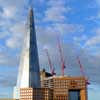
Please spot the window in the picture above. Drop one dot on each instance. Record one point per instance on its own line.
(74, 95)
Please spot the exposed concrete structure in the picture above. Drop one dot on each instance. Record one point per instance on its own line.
(36, 94)
(66, 88)
(57, 88)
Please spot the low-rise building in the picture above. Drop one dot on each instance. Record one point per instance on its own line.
(66, 88)
(57, 88)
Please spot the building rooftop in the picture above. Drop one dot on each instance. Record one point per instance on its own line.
(65, 77)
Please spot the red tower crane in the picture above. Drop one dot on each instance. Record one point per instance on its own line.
(61, 57)
(50, 63)
(82, 70)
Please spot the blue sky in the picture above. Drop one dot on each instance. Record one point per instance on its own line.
(77, 22)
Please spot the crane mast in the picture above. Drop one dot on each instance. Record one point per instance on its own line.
(82, 69)
(61, 57)
(50, 63)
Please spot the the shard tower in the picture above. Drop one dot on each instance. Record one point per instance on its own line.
(29, 72)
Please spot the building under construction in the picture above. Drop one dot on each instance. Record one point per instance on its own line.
(57, 88)
(33, 85)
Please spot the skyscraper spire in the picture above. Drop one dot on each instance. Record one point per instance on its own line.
(34, 70)
(30, 3)
(29, 72)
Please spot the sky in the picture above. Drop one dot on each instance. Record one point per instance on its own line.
(76, 22)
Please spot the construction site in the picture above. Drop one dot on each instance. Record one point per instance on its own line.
(57, 88)
(53, 58)
(33, 84)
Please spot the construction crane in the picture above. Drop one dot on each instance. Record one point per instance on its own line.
(50, 63)
(82, 70)
(61, 57)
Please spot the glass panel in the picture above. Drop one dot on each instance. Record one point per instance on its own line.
(74, 95)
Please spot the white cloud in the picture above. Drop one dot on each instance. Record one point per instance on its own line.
(97, 31)
(47, 36)
(9, 12)
(56, 3)
(68, 28)
(13, 42)
(94, 40)
(5, 82)
(10, 28)
(98, 2)
(95, 18)
(8, 60)
(53, 14)
(81, 38)
(41, 1)
(53, 31)
(93, 90)
(17, 35)
(56, 10)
